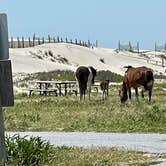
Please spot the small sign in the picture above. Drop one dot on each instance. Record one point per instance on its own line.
(6, 84)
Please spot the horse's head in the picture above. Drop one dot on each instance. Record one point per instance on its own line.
(93, 73)
(123, 95)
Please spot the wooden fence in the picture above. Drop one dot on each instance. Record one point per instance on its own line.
(128, 47)
(34, 41)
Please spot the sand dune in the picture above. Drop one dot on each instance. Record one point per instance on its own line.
(63, 56)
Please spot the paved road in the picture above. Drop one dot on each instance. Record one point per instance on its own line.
(152, 143)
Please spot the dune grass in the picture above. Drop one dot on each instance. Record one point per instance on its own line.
(67, 113)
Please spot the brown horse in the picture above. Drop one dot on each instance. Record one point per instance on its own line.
(135, 77)
(104, 85)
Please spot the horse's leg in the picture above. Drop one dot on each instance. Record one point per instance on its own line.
(150, 94)
(107, 91)
(84, 93)
(142, 92)
(136, 93)
(102, 97)
(129, 90)
(105, 94)
(81, 96)
(89, 89)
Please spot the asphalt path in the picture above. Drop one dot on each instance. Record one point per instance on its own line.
(150, 143)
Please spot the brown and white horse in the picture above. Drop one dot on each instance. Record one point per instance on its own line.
(85, 77)
(135, 77)
(104, 85)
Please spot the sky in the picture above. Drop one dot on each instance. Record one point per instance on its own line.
(106, 21)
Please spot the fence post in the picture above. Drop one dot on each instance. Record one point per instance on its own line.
(130, 47)
(42, 40)
(18, 42)
(54, 40)
(88, 43)
(66, 40)
(155, 47)
(80, 43)
(58, 39)
(49, 39)
(96, 43)
(29, 39)
(119, 46)
(11, 42)
(138, 47)
(39, 41)
(34, 40)
(23, 42)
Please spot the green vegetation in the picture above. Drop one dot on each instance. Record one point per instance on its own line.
(67, 113)
(26, 152)
(36, 152)
(69, 75)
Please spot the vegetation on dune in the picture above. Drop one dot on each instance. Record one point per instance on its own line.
(69, 75)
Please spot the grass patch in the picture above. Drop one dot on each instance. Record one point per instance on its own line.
(40, 113)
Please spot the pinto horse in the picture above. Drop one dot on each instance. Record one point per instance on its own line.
(104, 85)
(135, 77)
(85, 77)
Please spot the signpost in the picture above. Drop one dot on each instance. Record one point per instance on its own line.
(6, 84)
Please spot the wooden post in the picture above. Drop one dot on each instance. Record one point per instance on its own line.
(155, 47)
(6, 85)
(18, 42)
(119, 45)
(130, 47)
(49, 39)
(43, 40)
(29, 42)
(12, 42)
(34, 40)
(54, 40)
(96, 43)
(88, 43)
(58, 39)
(23, 45)
(138, 47)
(38, 41)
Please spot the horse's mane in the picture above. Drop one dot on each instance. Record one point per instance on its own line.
(128, 66)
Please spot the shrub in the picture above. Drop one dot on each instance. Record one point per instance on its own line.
(23, 151)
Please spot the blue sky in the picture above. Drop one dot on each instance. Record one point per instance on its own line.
(107, 21)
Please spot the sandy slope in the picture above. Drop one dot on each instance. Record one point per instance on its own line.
(64, 56)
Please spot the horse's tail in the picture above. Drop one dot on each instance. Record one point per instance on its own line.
(149, 79)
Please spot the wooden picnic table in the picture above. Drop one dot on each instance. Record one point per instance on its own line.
(44, 86)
